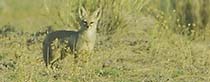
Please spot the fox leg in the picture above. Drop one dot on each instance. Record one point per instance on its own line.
(57, 55)
(63, 53)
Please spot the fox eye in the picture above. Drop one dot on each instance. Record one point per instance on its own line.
(84, 21)
(91, 22)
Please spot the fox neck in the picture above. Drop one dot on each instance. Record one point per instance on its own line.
(89, 36)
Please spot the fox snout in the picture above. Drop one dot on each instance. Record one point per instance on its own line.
(85, 23)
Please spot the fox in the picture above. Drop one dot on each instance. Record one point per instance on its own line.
(78, 41)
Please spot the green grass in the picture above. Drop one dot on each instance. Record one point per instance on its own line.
(137, 41)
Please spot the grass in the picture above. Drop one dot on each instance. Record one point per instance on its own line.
(137, 41)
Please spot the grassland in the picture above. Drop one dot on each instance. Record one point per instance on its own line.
(137, 41)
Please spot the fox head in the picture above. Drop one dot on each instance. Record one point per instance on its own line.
(89, 20)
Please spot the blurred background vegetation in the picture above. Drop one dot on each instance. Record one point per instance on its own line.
(183, 17)
(138, 41)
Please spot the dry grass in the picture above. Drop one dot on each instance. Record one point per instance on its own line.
(137, 42)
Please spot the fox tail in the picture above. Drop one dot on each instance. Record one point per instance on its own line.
(47, 52)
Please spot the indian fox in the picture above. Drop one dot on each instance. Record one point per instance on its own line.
(77, 41)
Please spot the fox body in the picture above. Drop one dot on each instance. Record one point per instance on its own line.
(77, 41)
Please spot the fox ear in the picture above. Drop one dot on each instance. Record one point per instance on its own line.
(97, 13)
(82, 12)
